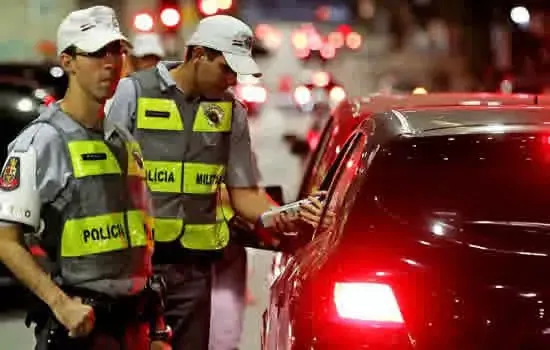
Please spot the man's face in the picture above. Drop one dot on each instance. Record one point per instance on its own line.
(146, 62)
(98, 73)
(214, 77)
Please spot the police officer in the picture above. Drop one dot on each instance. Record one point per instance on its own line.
(147, 51)
(229, 287)
(87, 196)
(195, 136)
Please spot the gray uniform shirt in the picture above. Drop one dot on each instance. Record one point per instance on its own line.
(241, 168)
(43, 171)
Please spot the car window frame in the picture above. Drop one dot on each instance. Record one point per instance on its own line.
(356, 143)
(316, 157)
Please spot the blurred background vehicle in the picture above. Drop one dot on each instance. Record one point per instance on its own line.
(21, 100)
(318, 92)
(250, 91)
(50, 78)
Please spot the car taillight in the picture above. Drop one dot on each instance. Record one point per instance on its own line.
(337, 94)
(302, 95)
(371, 302)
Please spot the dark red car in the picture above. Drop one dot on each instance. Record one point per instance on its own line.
(439, 237)
(347, 116)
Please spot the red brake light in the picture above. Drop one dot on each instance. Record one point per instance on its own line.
(143, 22)
(373, 302)
(170, 17)
(208, 7)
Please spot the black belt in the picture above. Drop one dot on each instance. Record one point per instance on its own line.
(106, 307)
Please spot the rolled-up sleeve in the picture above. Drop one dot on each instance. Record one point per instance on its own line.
(121, 109)
(242, 167)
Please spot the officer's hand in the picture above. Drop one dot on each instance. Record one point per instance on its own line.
(311, 212)
(160, 345)
(78, 318)
(284, 224)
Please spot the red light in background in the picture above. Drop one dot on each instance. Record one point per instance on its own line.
(336, 39)
(143, 22)
(313, 138)
(302, 53)
(170, 17)
(344, 29)
(321, 79)
(224, 5)
(337, 94)
(208, 7)
(353, 40)
(300, 40)
(328, 52)
(262, 30)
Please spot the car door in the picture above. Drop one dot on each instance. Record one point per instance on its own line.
(286, 289)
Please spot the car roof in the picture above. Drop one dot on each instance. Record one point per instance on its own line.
(454, 120)
(357, 108)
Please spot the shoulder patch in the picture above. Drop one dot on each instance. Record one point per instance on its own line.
(10, 176)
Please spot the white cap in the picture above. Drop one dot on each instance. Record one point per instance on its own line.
(89, 29)
(230, 36)
(147, 44)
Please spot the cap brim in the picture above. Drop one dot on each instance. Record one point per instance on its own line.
(97, 39)
(242, 64)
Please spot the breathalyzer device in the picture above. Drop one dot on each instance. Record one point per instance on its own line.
(289, 210)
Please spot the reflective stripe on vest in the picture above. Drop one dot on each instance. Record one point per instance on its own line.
(91, 158)
(162, 132)
(101, 234)
(199, 178)
(163, 114)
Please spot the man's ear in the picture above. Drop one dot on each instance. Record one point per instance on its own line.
(197, 53)
(67, 63)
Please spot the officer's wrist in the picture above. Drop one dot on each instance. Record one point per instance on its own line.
(57, 299)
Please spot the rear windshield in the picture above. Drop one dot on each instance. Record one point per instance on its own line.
(481, 177)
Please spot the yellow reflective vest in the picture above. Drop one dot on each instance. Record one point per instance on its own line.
(186, 151)
(103, 213)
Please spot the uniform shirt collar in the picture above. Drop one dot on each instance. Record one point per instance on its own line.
(166, 79)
